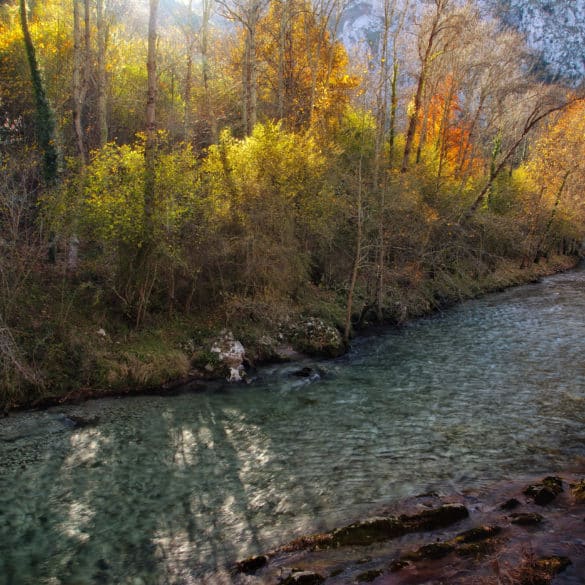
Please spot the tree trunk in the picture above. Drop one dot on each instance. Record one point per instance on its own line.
(101, 74)
(394, 82)
(253, 111)
(204, 35)
(79, 64)
(188, 76)
(380, 185)
(282, 36)
(356, 262)
(150, 146)
(46, 127)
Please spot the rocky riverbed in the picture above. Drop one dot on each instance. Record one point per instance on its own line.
(513, 534)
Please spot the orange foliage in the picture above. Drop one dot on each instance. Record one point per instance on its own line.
(448, 133)
(315, 86)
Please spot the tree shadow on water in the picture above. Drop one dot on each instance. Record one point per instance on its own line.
(173, 494)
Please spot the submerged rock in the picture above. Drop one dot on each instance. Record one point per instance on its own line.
(303, 578)
(432, 551)
(252, 564)
(306, 372)
(526, 519)
(540, 571)
(398, 565)
(369, 576)
(510, 504)
(545, 492)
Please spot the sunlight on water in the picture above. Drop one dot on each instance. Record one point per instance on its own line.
(168, 490)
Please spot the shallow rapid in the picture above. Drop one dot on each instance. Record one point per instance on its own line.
(168, 490)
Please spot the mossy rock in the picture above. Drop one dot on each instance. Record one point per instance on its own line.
(316, 337)
(477, 534)
(553, 565)
(540, 571)
(546, 491)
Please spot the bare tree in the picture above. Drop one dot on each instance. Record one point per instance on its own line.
(101, 73)
(539, 104)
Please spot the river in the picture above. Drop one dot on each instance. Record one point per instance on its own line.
(169, 490)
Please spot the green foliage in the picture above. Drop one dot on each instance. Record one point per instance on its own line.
(269, 197)
(356, 136)
(111, 209)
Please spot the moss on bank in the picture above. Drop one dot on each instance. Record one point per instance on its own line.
(79, 349)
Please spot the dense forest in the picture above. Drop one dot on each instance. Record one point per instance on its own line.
(172, 170)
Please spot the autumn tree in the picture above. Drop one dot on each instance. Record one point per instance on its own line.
(431, 43)
(557, 176)
(304, 71)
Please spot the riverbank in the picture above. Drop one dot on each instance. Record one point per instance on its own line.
(91, 357)
(529, 532)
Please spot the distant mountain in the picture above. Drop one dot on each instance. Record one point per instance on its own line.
(554, 30)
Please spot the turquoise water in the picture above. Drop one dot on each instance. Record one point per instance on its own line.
(172, 490)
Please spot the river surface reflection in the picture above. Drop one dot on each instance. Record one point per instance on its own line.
(172, 489)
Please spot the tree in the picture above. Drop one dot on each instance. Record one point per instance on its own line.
(556, 172)
(81, 62)
(304, 77)
(102, 104)
(248, 14)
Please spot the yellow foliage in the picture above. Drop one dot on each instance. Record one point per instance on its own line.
(556, 167)
(313, 71)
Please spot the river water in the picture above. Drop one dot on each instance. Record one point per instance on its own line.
(166, 490)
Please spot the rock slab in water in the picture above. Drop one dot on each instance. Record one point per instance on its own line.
(380, 528)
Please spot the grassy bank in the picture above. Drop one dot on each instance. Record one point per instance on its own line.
(77, 348)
